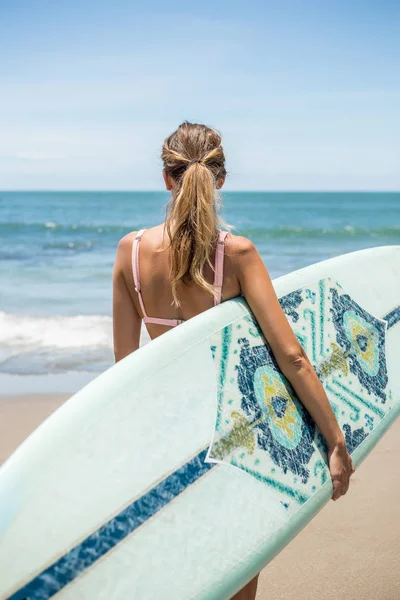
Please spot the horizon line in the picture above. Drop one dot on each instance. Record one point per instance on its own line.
(236, 191)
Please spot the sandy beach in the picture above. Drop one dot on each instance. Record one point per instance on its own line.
(350, 551)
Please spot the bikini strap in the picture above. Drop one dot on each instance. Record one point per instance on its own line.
(219, 265)
(136, 279)
(135, 268)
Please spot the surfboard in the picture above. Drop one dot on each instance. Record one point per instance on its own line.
(182, 470)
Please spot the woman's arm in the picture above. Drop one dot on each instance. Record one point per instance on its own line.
(126, 320)
(260, 295)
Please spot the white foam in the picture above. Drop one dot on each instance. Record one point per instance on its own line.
(39, 344)
(28, 332)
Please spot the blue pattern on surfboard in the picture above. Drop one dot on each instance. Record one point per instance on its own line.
(392, 317)
(78, 559)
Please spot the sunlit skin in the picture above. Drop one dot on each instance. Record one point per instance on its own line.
(244, 272)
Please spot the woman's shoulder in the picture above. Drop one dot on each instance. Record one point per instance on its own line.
(125, 243)
(238, 245)
(124, 253)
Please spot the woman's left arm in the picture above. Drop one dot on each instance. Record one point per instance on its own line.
(126, 319)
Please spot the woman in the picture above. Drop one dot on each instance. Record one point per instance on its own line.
(173, 278)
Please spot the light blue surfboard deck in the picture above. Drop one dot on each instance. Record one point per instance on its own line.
(186, 467)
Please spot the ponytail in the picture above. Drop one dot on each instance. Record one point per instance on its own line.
(192, 222)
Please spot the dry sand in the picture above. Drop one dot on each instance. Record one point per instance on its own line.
(350, 551)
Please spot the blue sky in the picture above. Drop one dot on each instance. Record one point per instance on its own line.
(305, 94)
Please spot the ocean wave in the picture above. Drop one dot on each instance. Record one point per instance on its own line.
(56, 247)
(84, 245)
(282, 231)
(26, 332)
(56, 344)
(42, 362)
(15, 226)
(293, 232)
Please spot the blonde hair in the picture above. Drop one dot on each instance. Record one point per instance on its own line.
(194, 158)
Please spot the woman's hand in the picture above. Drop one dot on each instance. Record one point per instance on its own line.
(341, 468)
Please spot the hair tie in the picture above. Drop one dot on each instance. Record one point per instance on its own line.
(197, 160)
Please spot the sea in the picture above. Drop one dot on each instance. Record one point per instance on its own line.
(57, 251)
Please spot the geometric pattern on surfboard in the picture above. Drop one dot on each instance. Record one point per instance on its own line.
(261, 426)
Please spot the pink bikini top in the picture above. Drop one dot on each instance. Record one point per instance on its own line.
(219, 269)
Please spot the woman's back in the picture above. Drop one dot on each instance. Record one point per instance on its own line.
(149, 265)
